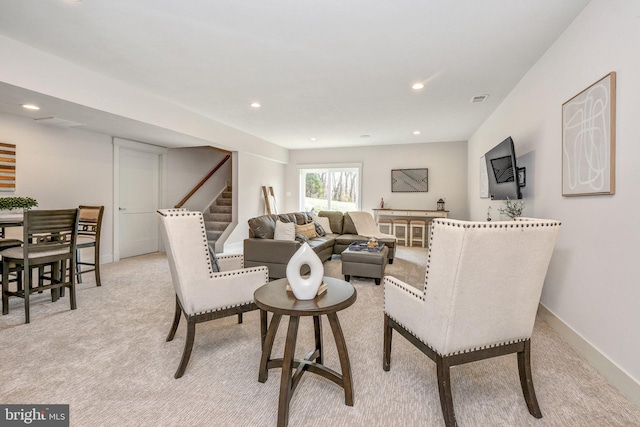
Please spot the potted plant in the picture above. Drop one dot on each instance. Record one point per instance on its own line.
(512, 209)
(14, 205)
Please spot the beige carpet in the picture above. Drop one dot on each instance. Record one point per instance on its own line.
(109, 360)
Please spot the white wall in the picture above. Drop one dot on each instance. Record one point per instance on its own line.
(62, 168)
(250, 174)
(446, 161)
(592, 284)
(187, 167)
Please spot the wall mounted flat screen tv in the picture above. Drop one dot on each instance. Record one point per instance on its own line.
(503, 173)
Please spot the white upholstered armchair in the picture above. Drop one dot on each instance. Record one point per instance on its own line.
(202, 293)
(482, 289)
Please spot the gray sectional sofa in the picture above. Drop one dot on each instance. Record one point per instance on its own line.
(261, 249)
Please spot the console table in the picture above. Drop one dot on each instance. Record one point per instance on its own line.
(408, 213)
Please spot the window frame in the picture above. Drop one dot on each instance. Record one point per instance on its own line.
(329, 167)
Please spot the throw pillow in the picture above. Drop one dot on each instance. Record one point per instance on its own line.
(284, 231)
(302, 238)
(323, 221)
(308, 230)
(319, 230)
(214, 260)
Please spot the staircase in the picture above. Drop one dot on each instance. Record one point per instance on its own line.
(219, 216)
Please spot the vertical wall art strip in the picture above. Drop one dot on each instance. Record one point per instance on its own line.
(7, 167)
(588, 140)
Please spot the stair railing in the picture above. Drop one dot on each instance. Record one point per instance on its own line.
(201, 183)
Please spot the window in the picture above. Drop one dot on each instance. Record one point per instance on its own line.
(330, 187)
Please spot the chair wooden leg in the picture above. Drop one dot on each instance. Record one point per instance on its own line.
(444, 388)
(78, 266)
(239, 317)
(386, 357)
(526, 380)
(176, 321)
(188, 346)
(27, 292)
(72, 286)
(5, 288)
(96, 265)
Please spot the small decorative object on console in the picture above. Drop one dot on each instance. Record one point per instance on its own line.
(305, 289)
(511, 208)
(440, 205)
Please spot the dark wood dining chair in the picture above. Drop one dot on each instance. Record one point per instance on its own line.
(6, 242)
(49, 238)
(89, 226)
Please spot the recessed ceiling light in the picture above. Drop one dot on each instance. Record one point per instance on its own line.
(416, 132)
(417, 86)
(256, 105)
(312, 139)
(30, 107)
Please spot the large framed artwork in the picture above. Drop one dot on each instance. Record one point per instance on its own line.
(409, 180)
(588, 140)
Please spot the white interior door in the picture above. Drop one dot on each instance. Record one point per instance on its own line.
(139, 190)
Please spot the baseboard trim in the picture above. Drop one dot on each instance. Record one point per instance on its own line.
(616, 375)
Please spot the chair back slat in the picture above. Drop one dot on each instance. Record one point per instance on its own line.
(45, 228)
(90, 220)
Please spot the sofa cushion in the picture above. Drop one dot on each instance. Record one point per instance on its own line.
(302, 238)
(262, 227)
(284, 231)
(322, 225)
(308, 230)
(290, 217)
(319, 244)
(335, 220)
(348, 227)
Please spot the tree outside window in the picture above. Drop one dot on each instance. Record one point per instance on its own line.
(330, 188)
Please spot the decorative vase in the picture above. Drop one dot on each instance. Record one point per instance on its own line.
(305, 289)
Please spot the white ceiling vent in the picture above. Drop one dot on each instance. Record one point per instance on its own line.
(55, 121)
(479, 98)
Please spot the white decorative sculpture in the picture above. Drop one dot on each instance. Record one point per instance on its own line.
(305, 289)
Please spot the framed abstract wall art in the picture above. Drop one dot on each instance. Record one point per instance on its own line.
(409, 180)
(588, 140)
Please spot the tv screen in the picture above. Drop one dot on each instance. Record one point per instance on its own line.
(502, 171)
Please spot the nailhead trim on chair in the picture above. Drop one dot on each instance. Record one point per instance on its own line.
(523, 223)
(186, 212)
(468, 350)
(223, 308)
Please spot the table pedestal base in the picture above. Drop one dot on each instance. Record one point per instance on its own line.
(313, 362)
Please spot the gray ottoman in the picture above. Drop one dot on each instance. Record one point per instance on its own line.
(364, 264)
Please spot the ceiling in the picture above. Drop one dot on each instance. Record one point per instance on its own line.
(339, 71)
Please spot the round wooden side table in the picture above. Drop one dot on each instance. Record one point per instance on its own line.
(273, 297)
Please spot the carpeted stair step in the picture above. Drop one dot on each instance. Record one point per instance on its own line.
(217, 217)
(221, 209)
(215, 225)
(213, 235)
(224, 201)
